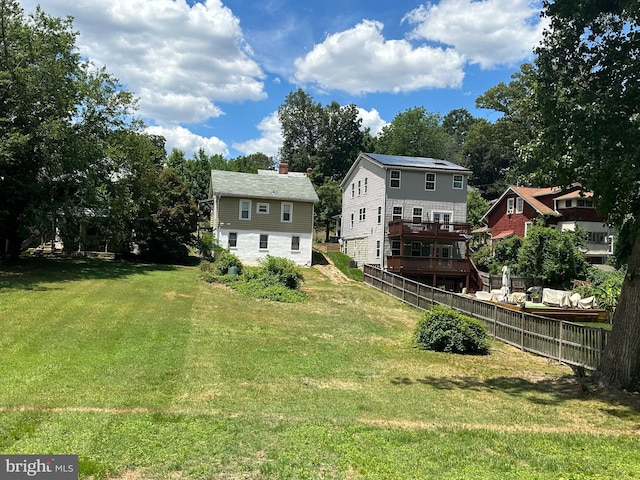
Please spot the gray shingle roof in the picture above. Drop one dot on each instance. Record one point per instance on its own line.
(251, 185)
(414, 162)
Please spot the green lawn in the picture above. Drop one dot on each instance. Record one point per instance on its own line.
(146, 372)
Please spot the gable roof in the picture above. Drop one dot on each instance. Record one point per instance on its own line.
(403, 162)
(251, 185)
(529, 195)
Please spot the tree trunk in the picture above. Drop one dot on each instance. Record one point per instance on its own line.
(620, 364)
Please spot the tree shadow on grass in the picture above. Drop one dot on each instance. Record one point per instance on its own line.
(34, 273)
(548, 391)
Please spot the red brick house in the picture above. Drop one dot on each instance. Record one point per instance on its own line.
(516, 211)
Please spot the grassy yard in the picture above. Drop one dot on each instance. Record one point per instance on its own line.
(146, 372)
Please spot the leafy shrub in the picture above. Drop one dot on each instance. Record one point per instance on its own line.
(256, 287)
(209, 245)
(445, 330)
(277, 279)
(281, 271)
(482, 258)
(225, 261)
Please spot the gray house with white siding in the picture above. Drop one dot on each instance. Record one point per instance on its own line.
(408, 215)
(268, 213)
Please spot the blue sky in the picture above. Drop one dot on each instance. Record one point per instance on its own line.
(211, 74)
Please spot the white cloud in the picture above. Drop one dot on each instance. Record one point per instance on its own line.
(487, 32)
(270, 141)
(372, 120)
(187, 141)
(360, 60)
(178, 59)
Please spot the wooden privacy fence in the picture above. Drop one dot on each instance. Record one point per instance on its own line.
(566, 342)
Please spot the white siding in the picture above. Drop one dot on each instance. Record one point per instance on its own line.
(361, 238)
(279, 245)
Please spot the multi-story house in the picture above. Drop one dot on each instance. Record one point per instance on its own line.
(268, 213)
(519, 208)
(408, 215)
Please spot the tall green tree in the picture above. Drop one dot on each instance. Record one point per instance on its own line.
(553, 258)
(251, 163)
(414, 132)
(477, 206)
(588, 95)
(165, 234)
(341, 141)
(301, 120)
(324, 138)
(57, 119)
(457, 124)
(496, 152)
(489, 159)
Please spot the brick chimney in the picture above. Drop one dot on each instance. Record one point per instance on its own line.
(283, 169)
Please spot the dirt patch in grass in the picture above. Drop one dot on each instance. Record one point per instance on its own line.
(448, 426)
(129, 475)
(332, 384)
(173, 295)
(333, 273)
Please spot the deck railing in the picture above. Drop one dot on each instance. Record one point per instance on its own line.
(569, 343)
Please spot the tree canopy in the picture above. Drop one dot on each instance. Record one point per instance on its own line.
(416, 133)
(325, 138)
(60, 115)
(588, 98)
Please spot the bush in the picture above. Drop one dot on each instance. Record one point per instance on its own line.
(445, 330)
(225, 261)
(281, 271)
(209, 245)
(482, 258)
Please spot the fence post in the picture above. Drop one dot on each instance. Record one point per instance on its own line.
(495, 320)
(560, 341)
(404, 289)
(522, 320)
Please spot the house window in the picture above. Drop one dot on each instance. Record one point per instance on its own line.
(519, 205)
(568, 203)
(264, 241)
(262, 208)
(585, 203)
(286, 211)
(430, 181)
(379, 215)
(394, 180)
(458, 182)
(352, 215)
(353, 190)
(527, 226)
(233, 239)
(245, 209)
(359, 187)
(365, 185)
(416, 249)
(295, 243)
(397, 213)
(510, 202)
(395, 248)
(363, 212)
(378, 249)
(417, 215)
